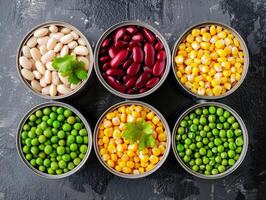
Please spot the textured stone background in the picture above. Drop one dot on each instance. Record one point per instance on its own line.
(171, 18)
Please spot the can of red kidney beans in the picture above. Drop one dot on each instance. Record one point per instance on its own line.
(141, 91)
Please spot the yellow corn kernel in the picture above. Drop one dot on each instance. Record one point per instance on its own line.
(126, 170)
(155, 120)
(214, 39)
(198, 39)
(108, 132)
(161, 148)
(219, 29)
(141, 170)
(209, 92)
(130, 153)
(203, 30)
(130, 164)
(226, 65)
(113, 157)
(238, 76)
(221, 52)
(183, 79)
(111, 163)
(206, 59)
(107, 124)
(182, 46)
(227, 86)
(202, 83)
(195, 32)
(123, 117)
(162, 137)
(219, 44)
(217, 67)
(117, 134)
(125, 157)
(234, 51)
(119, 148)
(205, 45)
(115, 121)
(209, 78)
(179, 74)
(215, 82)
(144, 158)
(201, 91)
(212, 30)
(122, 163)
(156, 151)
(103, 151)
(159, 129)
(154, 159)
(236, 42)
(226, 73)
(105, 157)
(224, 80)
(136, 160)
(239, 70)
(149, 167)
(110, 115)
(195, 45)
(190, 38)
(188, 84)
(105, 139)
(150, 115)
(206, 37)
(212, 47)
(217, 90)
(118, 168)
(228, 41)
(100, 142)
(144, 164)
(222, 35)
(193, 54)
(212, 72)
(233, 70)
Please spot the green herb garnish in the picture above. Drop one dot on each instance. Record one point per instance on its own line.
(69, 66)
(139, 131)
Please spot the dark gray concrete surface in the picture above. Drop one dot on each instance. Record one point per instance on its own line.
(171, 18)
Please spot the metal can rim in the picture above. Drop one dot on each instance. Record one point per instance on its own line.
(96, 55)
(19, 147)
(243, 152)
(245, 66)
(27, 37)
(168, 134)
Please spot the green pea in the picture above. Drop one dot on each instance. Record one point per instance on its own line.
(50, 171)
(56, 124)
(34, 150)
(67, 113)
(217, 141)
(54, 139)
(239, 141)
(76, 161)
(226, 114)
(34, 142)
(54, 165)
(186, 158)
(59, 171)
(215, 132)
(46, 111)
(202, 151)
(48, 149)
(85, 139)
(60, 150)
(212, 125)
(232, 145)
(62, 164)
(188, 152)
(231, 162)
(70, 165)
(205, 111)
(180, 147)
(83, 132)
(77, 126)
(231, 154)
(42, 168)
(211, 118)
(60, 118)
(28, 156)
(183, 123)
(33, 162)
(66, 127)
(238, 150)
(195, 168)
(220, 148)
(39, 161)
(61, 134)
(231, 120)
(73, 147)
(212, 109)
(205, 141)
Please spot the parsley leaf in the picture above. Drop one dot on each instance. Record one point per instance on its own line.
(139, 131)
(69, 66)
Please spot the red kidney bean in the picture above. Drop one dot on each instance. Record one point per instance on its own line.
(134, 44)
(133, 69)
(120, 45)
(131, 82)
(137, 37)
(159, 45)
(142, 90)
(126, 64)
(158, 68)
(143, 78)
(161, 55)
(147, 69)
(152, 82)
(106, 66)
(132, 91)
(126, 78)
(105, 42)
(137, 54)
(103, 51)
(104, 59)
(126, 38)
(115, 84)
(112, 52)
(114, 72)
(149, 54)
(119, 58)
(131, 29)
(148, 35)
(119, 34)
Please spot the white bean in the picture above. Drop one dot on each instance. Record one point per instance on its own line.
(64, 51)
(81, 42)
(53, 29)
(49, 66)
(53, 90)
(46, 90)
(74, 86)
(32, 42)
(75, 35)
(35, 54)
(67, 39)
(43, 49)
(63, 79)
(36, 85)
(81, 50)
(65, 30)
(41, 32)
(42, 82)
(63, 89)
(85, 60)
(58, 47)
(24, 62)
(37, 74)
(48, 77)
(43, 40)
(40, 67)
(51, 43)
(33, 67)
(55, 78)
(27, 74)
(26, 51)
(72, 44)
(48, 56)
(57, 36)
